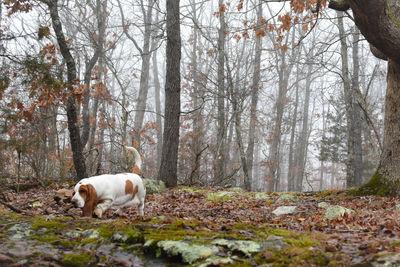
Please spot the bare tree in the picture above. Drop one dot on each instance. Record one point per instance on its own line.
(169, 159)
(73, 127)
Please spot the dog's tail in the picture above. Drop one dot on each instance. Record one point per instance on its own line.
(138, 161)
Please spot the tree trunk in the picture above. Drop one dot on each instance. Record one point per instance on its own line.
(348, 99)
(72, 116)
(357, 122)
(273, 178)
(390, 159)
(254, 99)
(101, 9)
(303, 140)
(292, 164)
(197, 114)
(220, 158)
(378, 22)
(144, 74)
(157, 90)
(169, 159)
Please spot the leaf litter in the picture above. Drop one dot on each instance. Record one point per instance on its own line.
(372, 229)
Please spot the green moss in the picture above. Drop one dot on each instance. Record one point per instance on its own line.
(377, 186)
(395, 244)
(46, 238)
(392, 16)
(192, 190)
(330, 194)
(221, 196)
(53, 224)
(66, 243)
(269, 201)
(105, 231)
(134, 235)
(82, 259)
(300, 241)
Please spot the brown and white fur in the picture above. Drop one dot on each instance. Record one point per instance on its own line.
(99, 193)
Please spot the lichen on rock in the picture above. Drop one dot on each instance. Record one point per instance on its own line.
(190, 253)
(332, 212)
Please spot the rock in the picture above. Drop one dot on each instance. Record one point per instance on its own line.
(262, 195)
(244, 246)
(154, 186)
(189, 253)
(323, 205)
(216, 261)
(220, 196)
(282, 210)
(20, 230)
(392, 259)
(287, 198)
(332, 212)
(91, 233)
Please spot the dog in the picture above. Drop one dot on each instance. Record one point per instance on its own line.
(99, 193)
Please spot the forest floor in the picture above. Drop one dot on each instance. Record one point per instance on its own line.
(202, 227)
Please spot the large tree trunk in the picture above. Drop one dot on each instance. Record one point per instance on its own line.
(72, 116)
(169, 159)
(378, 22)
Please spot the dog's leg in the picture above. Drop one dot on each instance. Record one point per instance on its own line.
(140, 208)
(102, 207)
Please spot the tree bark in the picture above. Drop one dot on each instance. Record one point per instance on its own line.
(349, 104)
(144, 74)
(73, 127)
(254, 99)
(220, 158)
(169, 159)
(291, 161)
(157, 97)
(303, 139)
(378, 21)
(101, 9)
(358, 126)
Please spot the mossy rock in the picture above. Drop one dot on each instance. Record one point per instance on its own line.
(220, 196)
(245, 247)
(82, 259)
(332, 212)
(190, 253)
(323, 205)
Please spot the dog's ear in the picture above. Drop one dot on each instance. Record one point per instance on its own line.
(90, 201)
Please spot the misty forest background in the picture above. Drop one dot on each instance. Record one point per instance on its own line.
(271, 99)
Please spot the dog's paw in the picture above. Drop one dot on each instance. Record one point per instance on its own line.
(98, 212)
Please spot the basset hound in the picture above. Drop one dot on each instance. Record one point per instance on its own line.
(99, 193)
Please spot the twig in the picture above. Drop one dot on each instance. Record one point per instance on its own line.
(11, 207)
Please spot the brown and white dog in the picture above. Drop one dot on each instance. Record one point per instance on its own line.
(99, 193)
